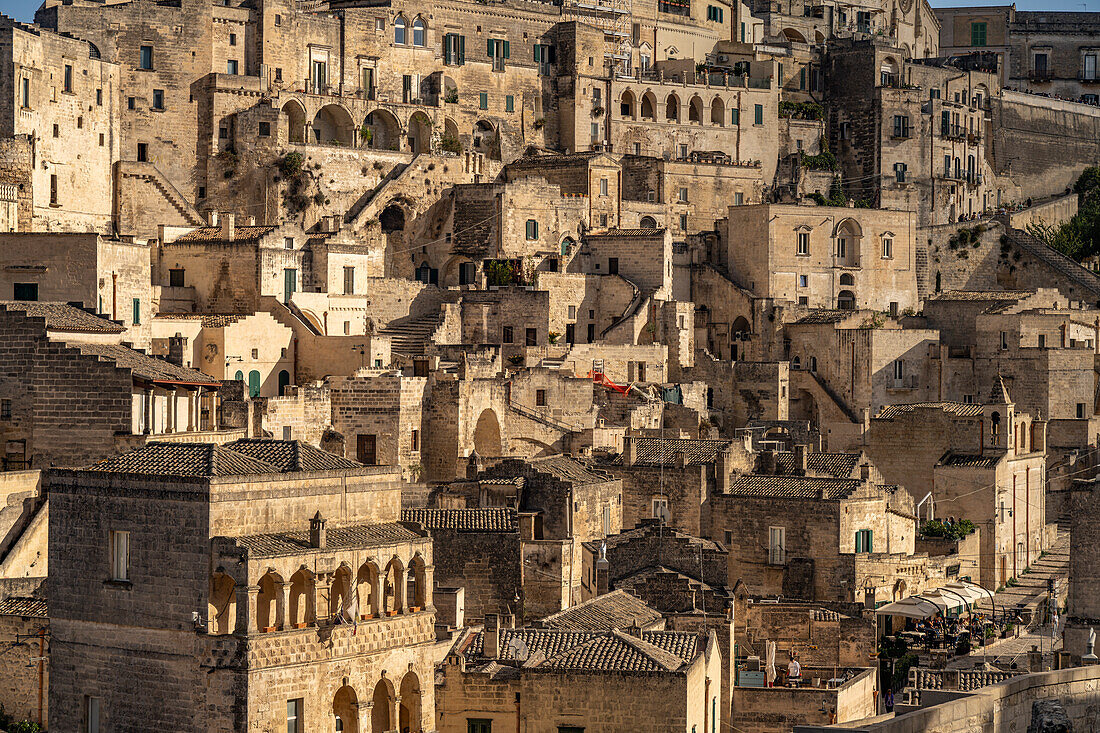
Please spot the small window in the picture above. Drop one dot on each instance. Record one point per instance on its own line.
(265, 129)
(735, 116)
(540, 398)
(143, 152)
(414, 443)
(803, 243)
(120, 555)
(738, 199)
(25, 95)
(777, 545)
(5, 409)
(532, 337)
(887, 247)
(900, 172)
(57, 130)
(1004, 340)
(572, 312)
(977, 34)
(659, 507)
(532, 229)
(349, 281)
(603, 186)
(294, 717)
(25, 291)
(509, 103)
(176, 278)
(899, 370)
(865, 540)
(506, 336)
(399, 31)
(683, 222)
(483, 100)
(347, 328)
(803, 281)
(54, 199)
(759, 114)
(479, 725)
(1081, 414)
(80, 122)
(131, 103)
(136, 319)
(91, 714)
(145, 57)
(683, 151)
(67, 84)
(231, 67)
(603, 220)
(683, 194)
(419, 32)
(232, 39)
(158, 99)
(255, 354)
(1042, 340)
(278, 20)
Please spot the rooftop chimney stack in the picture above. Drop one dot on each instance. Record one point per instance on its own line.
(229, 228)
(802, 458)
(491, 643)
(318, 537)
(630, 451)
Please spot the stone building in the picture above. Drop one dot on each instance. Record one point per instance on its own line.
(912, 27)
(59, 128)
(24, 666)
(73, 393)
(657, 680)
(318, 609)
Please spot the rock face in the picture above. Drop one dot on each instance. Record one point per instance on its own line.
(1048, 716)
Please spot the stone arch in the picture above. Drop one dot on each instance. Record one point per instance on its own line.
(451, 135)
(847, 279)
(333, 125)
(981, 96)
(846, 300)
(718, 112)
(381, 130)
(647, 222)
(345, 710)
(381, 714)
(339, 595)
(796, 363)
(819, 37)
(695, 110)
(649, 106)
(848, 234)
(416, 592)
(392, 219)
(485, 139)
(393, 593)
(366, 586)
(268, 601)
(452, 272)
(626, 104)
(419, 32)
(222, 607)
(792, 35)
(487, 440)
(420, 133)
(889, 67)
(740, 328)
(400, 30)
(301, 611)
(409, 714)
(672, 107)
(295, 115)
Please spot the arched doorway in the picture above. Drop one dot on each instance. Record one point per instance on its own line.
(415, 590)
(301, 610)
(487, 442)
(393, 597)
(339, 595)
(392, 219)
(739, 333)
(649, 106)
(485, 140)
(294, 115)
(846, 300)
(451, 142)
(626, 104)
(222, 611)
(345, 710)
(284, 381)
(672, 107)
(420, 133)
(410, 704)
(253, 383)
(381, 713)
(366, 586)
(267, 602)
(695, 110)
(380, 130)
(333, 126)
(717, 112)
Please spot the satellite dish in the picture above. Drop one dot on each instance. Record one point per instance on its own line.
(518, 650)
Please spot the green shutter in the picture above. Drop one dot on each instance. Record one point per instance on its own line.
(137, 312)
(483, 100)
(506, 52)
(447, 48)
(509, 103)
(489, 47)
(461, 50)
(760, 114)
(538, 53)
(735, 116)
(870, 541)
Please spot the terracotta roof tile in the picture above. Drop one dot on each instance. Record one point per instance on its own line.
(961, 409)
(291, 455)
(964, 460)
(280, 544)
(826, 316)
(592, 651)
(208, 320)
(241, 235)
(143, 365)
(980, 295)
(615, 610)
(658, 232)
(657, 451)
(838, 465)
(184, 459)
(64, 317)
(487, 519)
(793, 487)
(18, 606)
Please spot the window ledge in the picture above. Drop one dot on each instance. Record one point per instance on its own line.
(118, 584)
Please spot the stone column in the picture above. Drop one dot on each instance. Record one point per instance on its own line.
(172, 413)
(396, 720)
(147, 411)
(429, 588)
(191, 412)
(282, 606)
(322, 586)
(214, 411)
(248, 609)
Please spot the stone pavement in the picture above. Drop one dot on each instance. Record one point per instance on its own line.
(1030, 588)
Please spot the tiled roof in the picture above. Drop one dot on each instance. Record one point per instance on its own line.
(963, 460)
(826, 316)
(487, 519)
(241, 234)
(63, 317)
(553, 160)
(17, 606)
(145, 366)
(653, 527)
(615, 610)
(657, 451)
(291, 455)
(982, 295)
(592, 651)
(568, 469)
(208, 320)
(793, 487)
(961, 409)
(278, 544)
(659, 231)
(184, 459)
(839, 465)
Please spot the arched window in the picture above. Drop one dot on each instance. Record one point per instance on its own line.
(567, 246)
(253, 383)
(239, 376)
(847, 279)
(995, 427)
(648, 222)
(399, 36)
(813, 364)
(284, 381)
(419, 32)
(796, 363)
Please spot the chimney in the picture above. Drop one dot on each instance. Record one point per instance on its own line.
(865, 472)
(681, 459)
(724, 467)
(767, 462)
(176, 346)
(603, 571)
(630, 452)
(250, 221)
(212, 218)
(527, 525)
(802, 458)
(491, 637)
(318, 537)
(229, 227)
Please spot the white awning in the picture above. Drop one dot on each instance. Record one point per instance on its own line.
(911, 607)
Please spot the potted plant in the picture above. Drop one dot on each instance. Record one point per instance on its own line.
(301, 624)
(268, 629)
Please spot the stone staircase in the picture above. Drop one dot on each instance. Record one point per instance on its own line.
(410, 336)
(149, 173)
(355, 212)
(1029, 590)
(17, 512)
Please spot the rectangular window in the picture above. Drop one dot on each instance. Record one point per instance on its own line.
(25, 95)
(294, 711)
(683, 194)
(595, 132)
(143, 152)
(288, 242)
(506, 335)
(5, 409)
(802, 78)
(67, 84)
(660, 508)
(176, 278)
(318, 76)
(683, 151)
(738, 199)
(683, 222)
(158, 99)
(735, 116)
(136, 320)
(900, 170)
(231, 67)
(131, 103)
(603, 186)
(509, 103)
(613, 266)
(532, 337)
(232, 39)
(414, 444)
(479, 725)
(278, 20)
(1004, 340)
(264, 129)
(1041, 64)
(120, 555)
(349, 280)
(803, 243)
(901, 126)
(803, 281)
(91, 714)
(483, 100)
(1081, 411)
(454, 49)
(947, 166)
(1088, 68)
(532, 229)
(777, 545)
(899, 370)
(759, 115)
(865, 540)
(977, 34)
(24, 291)
(540, 398)
(145, 57)
(54, 201)
(603, 220)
